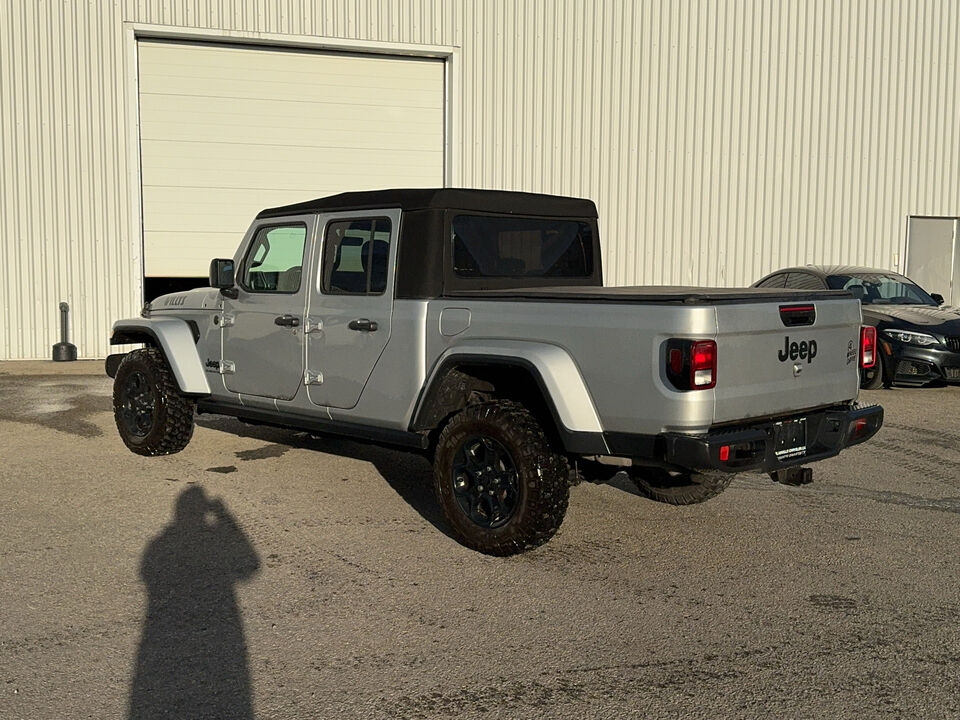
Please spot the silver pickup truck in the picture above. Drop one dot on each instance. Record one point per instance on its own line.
(474, 326)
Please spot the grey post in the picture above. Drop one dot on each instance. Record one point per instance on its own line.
(64, 351)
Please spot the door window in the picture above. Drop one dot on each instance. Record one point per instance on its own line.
(355, 254)
(776, 281)
(804, 281)
(274, 262)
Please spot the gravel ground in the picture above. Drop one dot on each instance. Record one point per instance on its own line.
(263, 573)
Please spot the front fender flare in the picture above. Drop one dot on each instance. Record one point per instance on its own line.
(174, 337)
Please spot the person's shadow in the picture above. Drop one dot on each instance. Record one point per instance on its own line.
(192, 661)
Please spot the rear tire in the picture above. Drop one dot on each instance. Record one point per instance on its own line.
(682, 488)
(501, 486)
(153, 418)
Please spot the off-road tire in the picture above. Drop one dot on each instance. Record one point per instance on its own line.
(171, 426)
(686, 488)
(542, 477)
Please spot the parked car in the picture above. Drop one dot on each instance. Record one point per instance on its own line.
(919, 337)
(474, 326)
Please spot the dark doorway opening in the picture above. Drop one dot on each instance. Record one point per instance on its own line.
(154, 287)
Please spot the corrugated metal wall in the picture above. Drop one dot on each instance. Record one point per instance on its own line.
(720, 138)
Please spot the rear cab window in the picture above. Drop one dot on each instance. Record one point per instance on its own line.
(493, 246)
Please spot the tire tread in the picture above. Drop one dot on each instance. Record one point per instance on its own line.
(175, 411)
(549, 503)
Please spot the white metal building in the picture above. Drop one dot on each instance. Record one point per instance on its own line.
(721, 139)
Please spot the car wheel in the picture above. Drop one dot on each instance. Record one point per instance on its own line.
(502, 487)
(878, 376)
(151, 415)
(679, 488)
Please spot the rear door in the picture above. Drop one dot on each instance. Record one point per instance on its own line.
(262, 335)
(771, 360)
(350, 304)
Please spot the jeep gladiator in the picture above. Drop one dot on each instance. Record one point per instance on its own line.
(474, 326)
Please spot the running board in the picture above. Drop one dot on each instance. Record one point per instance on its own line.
(386, 436)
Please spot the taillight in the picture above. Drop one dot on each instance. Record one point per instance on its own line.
(868, 346)
(691, 364)
(703, 365)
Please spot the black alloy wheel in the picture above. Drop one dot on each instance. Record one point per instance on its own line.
(485, 481)
(138, 404)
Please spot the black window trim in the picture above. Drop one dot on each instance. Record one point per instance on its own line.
(246, 256)
(323, 253)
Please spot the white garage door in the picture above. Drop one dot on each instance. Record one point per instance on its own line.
(227, 131)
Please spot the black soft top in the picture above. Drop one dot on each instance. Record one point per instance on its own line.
(492, 201)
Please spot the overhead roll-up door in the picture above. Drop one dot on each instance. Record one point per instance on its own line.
(228, 130)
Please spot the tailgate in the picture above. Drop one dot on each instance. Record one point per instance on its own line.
(766, 366)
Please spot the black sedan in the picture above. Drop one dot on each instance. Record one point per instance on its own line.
(919, 337)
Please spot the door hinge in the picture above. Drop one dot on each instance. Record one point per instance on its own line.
(312, 378)
(227, 367)
(311, 325)
(224, 320)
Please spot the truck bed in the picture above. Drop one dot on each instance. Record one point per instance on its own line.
(652, 294)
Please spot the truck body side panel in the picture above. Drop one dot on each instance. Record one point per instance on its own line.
(615, 348)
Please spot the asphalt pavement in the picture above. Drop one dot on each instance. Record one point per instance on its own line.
(265, 573)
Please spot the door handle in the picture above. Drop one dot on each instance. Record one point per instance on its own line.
(363, 324)
(286, 321)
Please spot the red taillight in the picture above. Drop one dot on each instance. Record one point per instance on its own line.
(868, 346)
(724, 453)
(691, 364)
(703, 364)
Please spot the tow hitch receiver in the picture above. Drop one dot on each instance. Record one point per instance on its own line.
(793, 476)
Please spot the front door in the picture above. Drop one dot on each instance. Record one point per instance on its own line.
(350, 305)
(263, 326)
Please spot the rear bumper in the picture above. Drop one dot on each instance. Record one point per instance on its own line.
(753, 447)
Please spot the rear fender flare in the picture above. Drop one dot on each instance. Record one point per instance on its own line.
(175, 339)
(561, 383)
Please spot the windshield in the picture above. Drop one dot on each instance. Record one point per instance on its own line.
(882, 289)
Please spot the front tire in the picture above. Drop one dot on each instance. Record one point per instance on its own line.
(502, 487)
(679, 488)
(153, 418)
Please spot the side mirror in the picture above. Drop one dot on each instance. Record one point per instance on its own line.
(937, 297)
(859, 291)
(221, 274)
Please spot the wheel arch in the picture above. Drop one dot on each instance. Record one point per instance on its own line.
(542, 377)
(176, 340)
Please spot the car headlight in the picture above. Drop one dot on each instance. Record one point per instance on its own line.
(910, 337)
